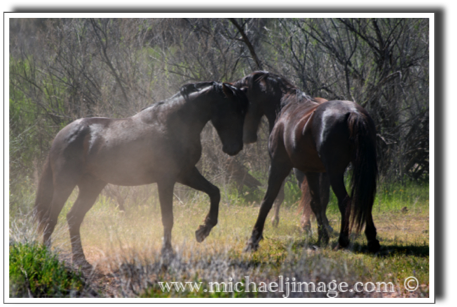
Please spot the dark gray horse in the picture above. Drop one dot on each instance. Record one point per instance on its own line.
(161, 144)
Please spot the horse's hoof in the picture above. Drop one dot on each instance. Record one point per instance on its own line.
(83, 265)
(167, 252)
(342, 244)
(374, 246)
(307, 229)
(251, 246)
(202, 232)
(275, 222)
(313, 247)
(323, 240)
(329, 229)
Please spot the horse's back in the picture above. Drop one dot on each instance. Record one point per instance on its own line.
(311, 133)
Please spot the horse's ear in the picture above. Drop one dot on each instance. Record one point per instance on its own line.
(228, 91)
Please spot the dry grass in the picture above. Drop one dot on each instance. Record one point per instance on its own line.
(125, 246)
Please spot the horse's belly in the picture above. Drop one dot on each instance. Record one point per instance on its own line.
(130, 167)
(139, 164)
(307, 161)
(126, 173)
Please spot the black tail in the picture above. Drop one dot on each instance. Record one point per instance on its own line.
(44, 197)
(365, 169)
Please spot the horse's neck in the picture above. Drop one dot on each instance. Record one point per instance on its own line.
(271, 110)
(177, 110)
(193, 112)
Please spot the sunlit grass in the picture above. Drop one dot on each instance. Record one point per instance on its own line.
(126, 245)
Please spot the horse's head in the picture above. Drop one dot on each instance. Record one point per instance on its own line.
(265, 92)
(251, 121)
(228, 117)
(255, 90)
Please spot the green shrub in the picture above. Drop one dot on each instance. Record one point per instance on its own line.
(35, 272)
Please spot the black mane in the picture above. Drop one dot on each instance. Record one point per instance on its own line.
(190, 88)
(184, 91)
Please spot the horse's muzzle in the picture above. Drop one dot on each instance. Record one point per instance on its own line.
(232, 150)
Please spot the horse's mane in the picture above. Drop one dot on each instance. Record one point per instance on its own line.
(189, 88)
(184, 91)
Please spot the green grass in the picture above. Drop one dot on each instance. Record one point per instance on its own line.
(125, 246)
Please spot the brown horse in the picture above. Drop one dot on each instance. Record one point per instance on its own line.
(161, 144)
(316, 138)
(267, 101)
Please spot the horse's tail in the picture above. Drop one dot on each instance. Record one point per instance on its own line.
(44, 196)
(365, 169)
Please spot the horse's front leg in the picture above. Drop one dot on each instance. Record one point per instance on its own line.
(278, 172)
(196, 181)
(277, 205)
(166, 207)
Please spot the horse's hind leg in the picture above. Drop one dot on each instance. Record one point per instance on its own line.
(344, 204)
(305, 203)
(196, 181)
(314, 190)
(324, 191)
(89, 189)
(370, 232)
(324, 184)
(64, 183)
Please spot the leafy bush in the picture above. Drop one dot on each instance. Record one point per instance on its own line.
(35, 272)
